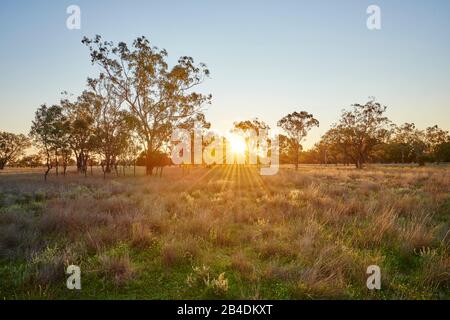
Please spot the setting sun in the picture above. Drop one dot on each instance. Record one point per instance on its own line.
(237, 144)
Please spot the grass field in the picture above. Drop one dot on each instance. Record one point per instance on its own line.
(228, 232)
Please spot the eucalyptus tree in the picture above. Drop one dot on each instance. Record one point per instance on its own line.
(297, 125)
(405, 137)
(49, 130)
(436, 137)
(113, 126)
(251, 130)
(159, 96)
(363, 128)
(12, 146)
(81, 123)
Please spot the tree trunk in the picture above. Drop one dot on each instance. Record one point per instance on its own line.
(79, 162)
(48, 163)
(359, 164)
(49, 167)
(57, 165)
(85, 164)
(150, 168)
(108, 163)
(149, 163)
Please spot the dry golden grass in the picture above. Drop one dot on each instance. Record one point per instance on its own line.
(296, 235)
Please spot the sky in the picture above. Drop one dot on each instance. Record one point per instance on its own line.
(267, 58)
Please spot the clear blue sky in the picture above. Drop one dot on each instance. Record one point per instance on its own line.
(267, 58)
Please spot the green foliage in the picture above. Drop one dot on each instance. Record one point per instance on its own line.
(158, 97)
(296, 125)
(12, 146)
(378, 141)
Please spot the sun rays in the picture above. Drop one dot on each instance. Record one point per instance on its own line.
(239, 178)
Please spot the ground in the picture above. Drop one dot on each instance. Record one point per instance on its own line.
(227, 232)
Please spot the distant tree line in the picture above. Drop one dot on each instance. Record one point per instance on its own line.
(126, 115)
(365, 135)
(362, 135)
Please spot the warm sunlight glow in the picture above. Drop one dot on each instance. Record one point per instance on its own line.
(237, 144)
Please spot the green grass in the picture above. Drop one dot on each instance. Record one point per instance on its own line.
(228, 233)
